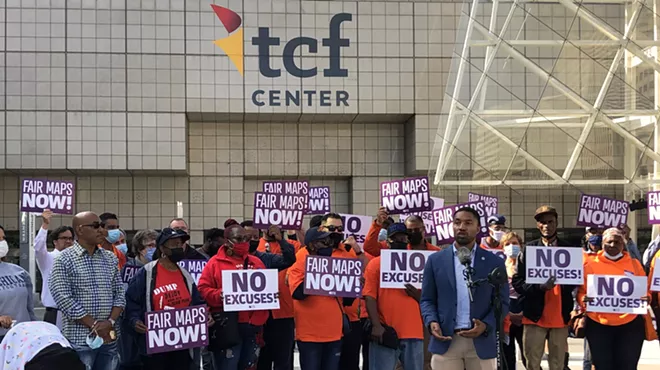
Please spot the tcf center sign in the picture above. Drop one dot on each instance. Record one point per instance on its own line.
(232, 45)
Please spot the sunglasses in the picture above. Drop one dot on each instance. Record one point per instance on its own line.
(333, 228)
(95, 225)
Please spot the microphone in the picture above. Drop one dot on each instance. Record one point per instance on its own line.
(498, 277)
(465, 258)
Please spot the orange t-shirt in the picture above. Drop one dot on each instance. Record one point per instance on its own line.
(395, 307)
(286, 302)
(170, 290)
(318, 318)
(120, 256)
(551, 317)
(599, 265)
(651, 272)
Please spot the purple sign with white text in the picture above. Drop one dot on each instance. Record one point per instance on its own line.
(284, 209)
(194, 268)
(333, 277)
(443, 219)
(406, 195)
(176, 330)
(319, 200)
(56, 195)
(128, 273)
(602, 212)
(427, 216)
(490, 203)
(653, 199)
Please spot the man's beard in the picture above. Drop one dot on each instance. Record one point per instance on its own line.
(464, 240)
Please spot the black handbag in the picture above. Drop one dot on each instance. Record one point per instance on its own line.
(345, 322)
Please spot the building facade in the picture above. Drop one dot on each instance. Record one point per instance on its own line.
(146, 103)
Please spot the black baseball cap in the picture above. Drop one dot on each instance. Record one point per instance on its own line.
(169, 233)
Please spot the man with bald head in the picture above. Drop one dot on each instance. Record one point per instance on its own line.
(87, 287)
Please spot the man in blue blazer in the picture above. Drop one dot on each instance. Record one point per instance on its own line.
(463, 332)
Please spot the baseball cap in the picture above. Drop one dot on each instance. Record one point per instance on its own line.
(315, 234)
(596, 240)
(396, 228)
(542, 210)
(496, 220)
(169, 233)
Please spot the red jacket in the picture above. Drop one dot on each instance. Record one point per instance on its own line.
(210, 284)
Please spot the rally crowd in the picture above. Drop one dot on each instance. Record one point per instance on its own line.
(95, 320)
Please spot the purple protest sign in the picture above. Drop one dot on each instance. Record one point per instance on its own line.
(319, 200)
(653, 205)
(285, 210)
(333, 277)
(443, 219)
(490, 202)
(602, 211)
(176, 330)
(128, 273)
(294, 187)
(194, 268)
(406, 195)
(426, 216)
(56, 195)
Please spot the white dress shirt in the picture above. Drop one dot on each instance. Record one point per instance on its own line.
(462, 295)
(45, 260)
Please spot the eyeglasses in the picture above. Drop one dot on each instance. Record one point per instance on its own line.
(112, 227)
(240, 239)
(151, 244)
(65, 238)
(333, 228)
(95, 225)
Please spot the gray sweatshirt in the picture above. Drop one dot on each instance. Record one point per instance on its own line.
(15, 294)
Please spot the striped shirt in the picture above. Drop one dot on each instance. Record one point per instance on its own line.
(84, 284)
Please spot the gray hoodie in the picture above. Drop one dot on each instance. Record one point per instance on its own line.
(16, 299)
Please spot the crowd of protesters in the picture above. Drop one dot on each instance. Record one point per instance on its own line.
(96, 321)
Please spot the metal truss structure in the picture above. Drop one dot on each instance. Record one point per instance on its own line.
(504, 42)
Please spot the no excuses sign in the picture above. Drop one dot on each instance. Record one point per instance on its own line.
(616, 294)
(176, 330)
(601, 211)
(356, 226)
(565, 264)
(405, 196)
(426, 216)
(401, 267)
(247, 290)
(37, 195)
(333, 277)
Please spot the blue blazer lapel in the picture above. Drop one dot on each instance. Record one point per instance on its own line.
(480, 263)
(448, 259)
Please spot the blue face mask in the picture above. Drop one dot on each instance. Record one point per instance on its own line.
(150, 253)
(382, 235)
(123, 248)
(113, 236)
(94, 341)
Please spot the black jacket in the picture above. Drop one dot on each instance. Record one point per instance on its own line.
(532, 297)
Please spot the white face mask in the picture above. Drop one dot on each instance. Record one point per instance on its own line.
(497, 235)
(608, 256)
(4, 248)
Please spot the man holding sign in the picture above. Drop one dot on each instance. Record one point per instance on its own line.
(547, 306)
(614, 296)
(319, 317)
(160, 287)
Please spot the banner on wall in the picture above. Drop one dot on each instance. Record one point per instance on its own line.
(601, 212)
(56, 195)
(406, 195)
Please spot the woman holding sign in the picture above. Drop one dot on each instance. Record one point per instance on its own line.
(615, 334)
(161, 285)
(233, 255)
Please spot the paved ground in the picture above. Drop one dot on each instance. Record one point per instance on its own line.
(650, 359)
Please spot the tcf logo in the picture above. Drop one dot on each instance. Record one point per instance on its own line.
(232, 45)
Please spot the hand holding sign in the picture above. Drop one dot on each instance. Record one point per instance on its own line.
(413, 292)
(550, 284)
(46, 216)
(382, 215)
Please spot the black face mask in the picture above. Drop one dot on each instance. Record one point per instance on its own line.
(292, 237)
(399, 245)
(176, 255)
(254, 244)
(326, 252)
(416, 237)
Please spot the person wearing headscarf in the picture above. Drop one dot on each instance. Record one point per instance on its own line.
(615, 339)
(162, 285)
(37, 345)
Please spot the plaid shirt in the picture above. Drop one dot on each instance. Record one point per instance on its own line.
(85, 285)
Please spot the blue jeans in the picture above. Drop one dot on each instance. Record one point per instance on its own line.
(242, 356)
(319, 356)
(410, 353)
(586, 362)
(102, 358)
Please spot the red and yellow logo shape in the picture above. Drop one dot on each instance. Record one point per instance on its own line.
(232, 45)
